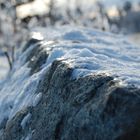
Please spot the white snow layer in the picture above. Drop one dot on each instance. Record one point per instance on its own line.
(4, 67)
(87, 51)
(25, 120)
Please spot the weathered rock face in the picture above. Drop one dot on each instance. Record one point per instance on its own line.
(62, 104)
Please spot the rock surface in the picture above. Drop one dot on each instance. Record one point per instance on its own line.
(76, 84)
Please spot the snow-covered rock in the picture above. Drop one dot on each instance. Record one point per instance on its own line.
(72, 83)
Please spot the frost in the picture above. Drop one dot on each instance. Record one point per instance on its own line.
(4, 67)
(55, 54)
(25, 120)
(1, 132)
(28, 137)
(87, 51)
(91, 51)
(37, 99)
(75, 35)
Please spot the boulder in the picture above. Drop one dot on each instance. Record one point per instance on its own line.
(73, 84)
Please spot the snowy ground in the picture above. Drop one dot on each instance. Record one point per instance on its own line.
(135, 39)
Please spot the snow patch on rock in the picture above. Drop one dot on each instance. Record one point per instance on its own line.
(25, 120)
(37, 99)
(87, 51)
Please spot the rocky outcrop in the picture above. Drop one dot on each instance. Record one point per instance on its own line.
(66, 101)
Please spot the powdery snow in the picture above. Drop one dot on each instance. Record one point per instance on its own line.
(91, 51)
(87, 51)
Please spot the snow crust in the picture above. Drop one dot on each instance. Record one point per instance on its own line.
(37, 99)
(91, 51)
(26, 120)
(87, 51)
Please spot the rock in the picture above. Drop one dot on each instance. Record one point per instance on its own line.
(61, 88)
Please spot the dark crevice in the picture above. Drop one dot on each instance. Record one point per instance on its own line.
(3, 124)
(58, 129)
(30, 43)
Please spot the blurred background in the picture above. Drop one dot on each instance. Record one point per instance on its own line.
(19, 17)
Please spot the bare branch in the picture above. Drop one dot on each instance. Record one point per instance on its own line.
(8, 58)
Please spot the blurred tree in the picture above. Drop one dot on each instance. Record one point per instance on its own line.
(127, 6)
(52, 11)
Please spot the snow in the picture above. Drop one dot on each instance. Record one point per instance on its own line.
(134, 38)
(19, 91)
(37, 99)
(25, 120)
(86, 50)
(4, 67)
(29, 137)
(91, 51)
(56, 53)
(75, 35)
(32, 8)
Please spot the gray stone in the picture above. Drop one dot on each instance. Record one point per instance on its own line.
(94, 107)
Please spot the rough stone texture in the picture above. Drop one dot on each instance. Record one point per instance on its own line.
(94, 107)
